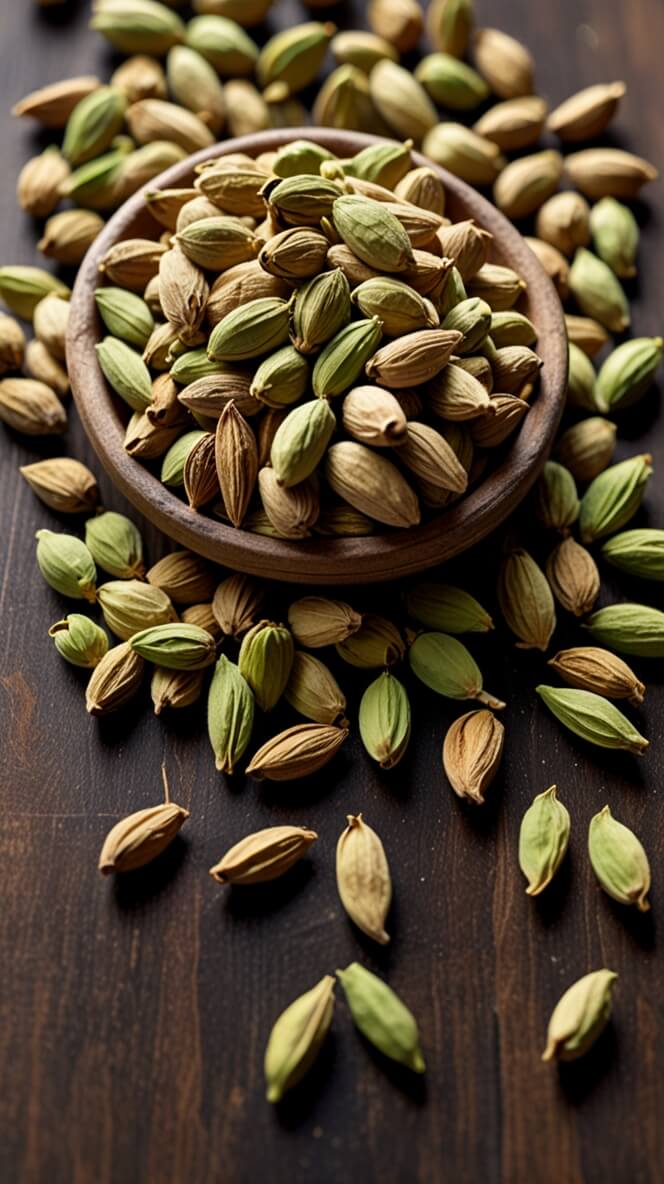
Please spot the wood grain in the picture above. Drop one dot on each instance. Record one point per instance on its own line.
(133, 1015)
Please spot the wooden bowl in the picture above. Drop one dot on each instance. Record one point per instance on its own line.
(383, 556)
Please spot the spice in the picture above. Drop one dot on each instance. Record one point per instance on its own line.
(580, 1016)
(594, 669)
(384, 720)
(618, 860)
(297, 1037)
(593, 718)
(141, 837)
(263, 856)
(381, 1016)
(445, 665)
(472, 752)
(543, 840)
(363, 878)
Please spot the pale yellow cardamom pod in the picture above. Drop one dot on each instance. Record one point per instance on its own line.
(363, 878)
(579, 1016)
(264, 855)
(297, 752)
(141, 837)
(526, 601)
(297, 1037)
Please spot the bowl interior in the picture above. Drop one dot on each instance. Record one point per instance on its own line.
(383, 556)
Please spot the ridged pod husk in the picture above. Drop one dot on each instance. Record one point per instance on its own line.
(414, 358)
(202, 615)
(296, 1038)
(514, 123)
(556, 500)
(52, 105)
(297, 752)
(573, 576)
(629, 628)
(317, 621)
(614, 497)
(230, 714)
(587, 447)
(591, 668)
(141, 837)
(115, 544)
(466, 244)
(114, 680)
(131, 605)
(526, 601)
(473, 158)
(236, 604)
(301, 440)
(184, 576)
(431, 459)
(525, 184)
(177, 646)
(449, 24)
(505, 63)
(619, 860)
(342, 360)
(79, 640)
(293, 511)
(638, 552)
(384, 720)
(564, 221)
(294, 254)
(399, 307)
(381, 1016)
(373, 416)
(499, 286)
(363, 878)
(472, 752)
(373, 233)
(236, 458)
(456, 395)
(609, 172)
(132, 263)
(175, 689)
(580, 1016)
(31, 407)
(423, 187)
(376, 643)
(211, 394)
(543, 839)
(593, 718)
(263, 856)
(183, 292)
(313, 691)
(598, 291)
(444, 665)
(266, 657)
(371, 484)
(63, 484)
(239, 285)
(201, 482)
(446, 609)
(402, 100)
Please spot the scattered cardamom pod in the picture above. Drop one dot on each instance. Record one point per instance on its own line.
(381, 1016)
(297, 1037)
(444, 665)
(263, 856)
(317, 621)
(313, 691)
(114, 681)
(638, 552)
(593, 718)
(266, 657)
(447, 609)
(598, 670)
(129, 606)
(384, 720)
(176, 646)
(526, 601)
(297, 752)
(141, 837)
(79, 641)
(115, 544)
(629, 628)
(573, 576)
(472, 752)
(363, 878)
(543, 839)
(619, 860)
(175, 689)
(613, 497)
(580, 1016)
(377, 642)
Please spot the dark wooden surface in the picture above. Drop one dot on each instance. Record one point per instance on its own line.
(133, 1014)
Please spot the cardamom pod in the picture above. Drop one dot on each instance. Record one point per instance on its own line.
(586, 114)
(525, 184)
(505, 63)
(230, 714)
(413, 359)
(526, 601)
(321, 308)
(543, 839)
(297, 1037)
(598, 292)
(629, 628)
(317, 621)
(265, 661)
(79, 641)
(449, 24)
(609, 172)
(381, 1016)
(175, 689)
(236, 458)
(67, 565)
(264, 855)
(301, 440)
(615, 233)
(628, 372)
(131, 605)
(472, 751)
(594, 669)
(313, 691)
(183, 576)
(573, 576)
(141, 837)
(114, 680)
(445, 665)
(464, 153)
(295, 55)
(376, 643)
(593, 718)
(384, 720)
(613, 497)
(22, 288)
(619, 860)
(447, 609)
(236, 604)
(564, 221)
(587, 448)
(176, 646)
(30, 406)
(556, 500)
(363, 878)
(580, 1016)
(374, 416)
(371, 484)
(297, 752)
(514, 123)
(63, 484)
(115, 544)
(638, 552)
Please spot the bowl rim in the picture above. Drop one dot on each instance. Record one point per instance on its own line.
(318, 559)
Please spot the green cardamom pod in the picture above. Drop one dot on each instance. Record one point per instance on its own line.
(125, 315)
(192, 365)
(176, 646)
(450, 82)
(638, 552)
(556, 500)
(341, 362)
(115, 544)
(543, 840)
(320, 309)
(598, 292)
(445, 665)
(447, 609)
(298, 158)
(593, 718)
(125, 371)
(95, 184)
(619, 860)
(137, 26)
(472, 317)
(511, 328)
(67, 565)
(628, 372)
(223, 43)
(615, 234)
(172, 466)
(79, 640)
(295, 55)
(22, 288)
(93, 124)
(614, 497)
(281, 379)
(384, 163)
(230, 714)
(381, 1016)
(252, 329)
(587, 447)
(300, 441)
(384, 720)
(630, 629)
(297, 1037)
(374, 234)
(265, 661)
(580, 1016)
(397, 305)
(301, 201)
(582, 388)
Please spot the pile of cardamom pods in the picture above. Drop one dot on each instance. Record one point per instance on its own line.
(290, 232)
